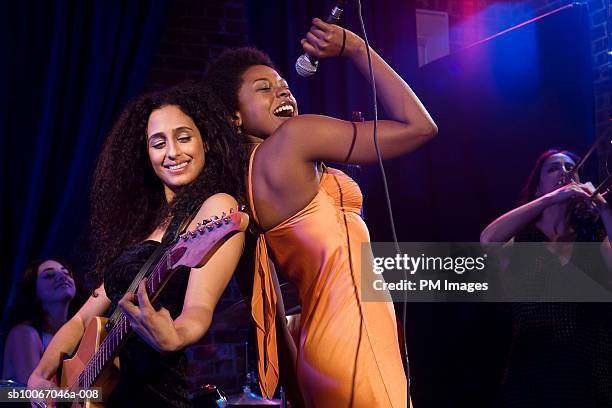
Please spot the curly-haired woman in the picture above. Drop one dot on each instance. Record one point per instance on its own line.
(309, 215)
(42, 307)
(168, 154)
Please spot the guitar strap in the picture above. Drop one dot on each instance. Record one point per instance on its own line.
(175, 229)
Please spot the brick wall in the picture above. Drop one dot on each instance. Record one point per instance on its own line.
(196, 31)
(219, 358)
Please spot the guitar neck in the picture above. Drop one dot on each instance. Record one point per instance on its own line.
(162, 272)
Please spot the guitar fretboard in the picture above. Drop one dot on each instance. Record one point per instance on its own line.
(122, 328)
(213, 229)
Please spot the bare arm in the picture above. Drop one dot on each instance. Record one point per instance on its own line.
(509, 224)
(309, 137)
(21, 353)
(205, 287)
(67, 338)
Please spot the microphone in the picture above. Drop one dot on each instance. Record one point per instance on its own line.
(306, 65)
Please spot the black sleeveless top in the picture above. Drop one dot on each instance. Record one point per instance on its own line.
(148, 378)
(560, 353)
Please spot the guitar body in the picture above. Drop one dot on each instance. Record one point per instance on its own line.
(71, 368)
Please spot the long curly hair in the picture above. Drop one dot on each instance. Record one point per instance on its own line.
(127, 198)
(224, 74)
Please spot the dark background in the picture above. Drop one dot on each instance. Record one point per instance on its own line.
(70, 67)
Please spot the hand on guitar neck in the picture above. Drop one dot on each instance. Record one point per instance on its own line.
(156, 327)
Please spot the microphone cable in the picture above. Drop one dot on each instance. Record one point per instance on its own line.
(385, 185)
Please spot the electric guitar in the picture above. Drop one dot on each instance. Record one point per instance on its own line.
(95, 363)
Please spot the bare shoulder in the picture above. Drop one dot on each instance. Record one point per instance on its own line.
(301, 129)
(283, 157)
(23, 334)
(215, 205)
(283, 177)
(219, 201)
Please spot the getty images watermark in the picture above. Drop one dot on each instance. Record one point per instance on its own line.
(413, 264)
(471, 272)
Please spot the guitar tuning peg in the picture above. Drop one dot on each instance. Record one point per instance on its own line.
(214, 218)
(185, 237)
(226, 220)
(193, 233)
(223, 214)
(210, 227)
(206, 221)
(231, 210)
(198, 224)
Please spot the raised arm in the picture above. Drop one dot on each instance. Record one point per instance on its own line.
(205, 286)
(508, 225)
(312, 137)
(67, 338)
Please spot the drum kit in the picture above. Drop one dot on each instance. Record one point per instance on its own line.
(210, 396)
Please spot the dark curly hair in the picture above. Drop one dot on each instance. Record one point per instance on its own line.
(224, 74)
(127, 198)
(529, 190)
(27, 307)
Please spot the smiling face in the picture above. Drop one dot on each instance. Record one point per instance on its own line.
(54, 283)
(175, 148)
(265, 101)
(555, 173)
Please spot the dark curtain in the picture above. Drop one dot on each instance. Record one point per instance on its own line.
(499, 104)
(68, 68)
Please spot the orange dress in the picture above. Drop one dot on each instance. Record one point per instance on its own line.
(348, 351)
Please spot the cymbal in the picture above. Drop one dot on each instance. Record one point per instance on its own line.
(247, 398)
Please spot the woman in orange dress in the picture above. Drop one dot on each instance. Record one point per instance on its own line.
(309, 219)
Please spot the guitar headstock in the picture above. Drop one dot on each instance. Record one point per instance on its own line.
(196, 246)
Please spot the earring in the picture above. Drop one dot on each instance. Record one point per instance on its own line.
(239, 130)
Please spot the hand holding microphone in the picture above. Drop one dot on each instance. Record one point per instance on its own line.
(325, 39)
